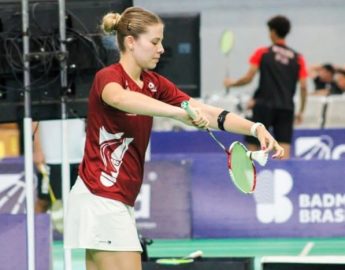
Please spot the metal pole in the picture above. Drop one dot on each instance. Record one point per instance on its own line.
(65, 169)
(28, 155)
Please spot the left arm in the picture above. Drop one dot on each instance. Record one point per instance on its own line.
(303, 98)
(236, 124)
(245, 79)
(38, 155)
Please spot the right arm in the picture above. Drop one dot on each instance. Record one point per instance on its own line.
(303, 99)
(115, 96)
(314, 70)
(245, 79)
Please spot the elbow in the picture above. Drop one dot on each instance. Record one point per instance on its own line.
(247, 80)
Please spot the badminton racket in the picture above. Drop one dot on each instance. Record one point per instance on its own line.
(240, 161)
(226, 44)
(183, 260)
(56, 208)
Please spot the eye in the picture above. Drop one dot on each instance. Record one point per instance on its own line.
(156, 42)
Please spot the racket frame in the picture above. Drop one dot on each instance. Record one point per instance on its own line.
(174, 261)
(229, 152)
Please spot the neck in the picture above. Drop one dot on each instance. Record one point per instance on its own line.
(279, 41)
(131, 68)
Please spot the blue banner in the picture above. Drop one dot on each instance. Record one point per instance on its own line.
(162, 208)
(295, 198)
(306, 143)
(192, 195)
(12, 185)
(13, 239)
(319, 144)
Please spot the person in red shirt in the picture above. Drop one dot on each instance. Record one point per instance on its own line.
(123, 99)
(281, 68)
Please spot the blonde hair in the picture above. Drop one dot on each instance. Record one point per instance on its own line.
(132, 22)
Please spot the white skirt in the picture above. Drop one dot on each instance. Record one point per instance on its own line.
(94, 222)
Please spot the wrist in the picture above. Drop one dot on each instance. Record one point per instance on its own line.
(254, 129)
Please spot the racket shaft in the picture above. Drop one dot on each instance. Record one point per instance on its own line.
(193, 115)
(216, 140)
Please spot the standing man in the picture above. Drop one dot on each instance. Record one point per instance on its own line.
(280, 70)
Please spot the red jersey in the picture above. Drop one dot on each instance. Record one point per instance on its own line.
(116, 141)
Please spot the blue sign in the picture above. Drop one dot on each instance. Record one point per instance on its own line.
(319, 144)
(306, 144)
(162, 208)
(12, 186)
(295, 198)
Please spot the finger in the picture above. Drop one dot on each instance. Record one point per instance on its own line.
(265, 145)
(271, 143)
(280, 152)
(201, 123)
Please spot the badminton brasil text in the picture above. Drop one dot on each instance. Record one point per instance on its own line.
(322, 208)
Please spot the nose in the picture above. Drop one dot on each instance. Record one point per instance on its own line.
(161, 49)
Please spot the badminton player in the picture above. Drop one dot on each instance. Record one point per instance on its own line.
(280, 68)
(123, 99)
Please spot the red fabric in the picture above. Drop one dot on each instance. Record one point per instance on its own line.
(302, 74)
(255, 58)
(116, 141)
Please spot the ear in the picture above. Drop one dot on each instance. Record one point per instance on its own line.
(129, 41)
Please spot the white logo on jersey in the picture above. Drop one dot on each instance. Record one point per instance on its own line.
(282, 55)
(152, 87)
(272, 205)
(112, 147)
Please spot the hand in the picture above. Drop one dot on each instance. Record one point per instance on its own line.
(298, 118)
(200, 121)
(268, 143)
(228, 82)
(38, 157)
(250, 104)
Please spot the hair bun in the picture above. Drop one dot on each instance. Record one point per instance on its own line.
(110, 22)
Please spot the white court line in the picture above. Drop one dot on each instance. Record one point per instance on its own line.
(307, 248)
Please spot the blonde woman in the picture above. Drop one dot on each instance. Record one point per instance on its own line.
(123, 99)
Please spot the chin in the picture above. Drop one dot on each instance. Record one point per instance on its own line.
(152, 66)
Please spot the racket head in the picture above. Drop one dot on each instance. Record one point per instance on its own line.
(241, 168)
(174, 261)
(227, 42)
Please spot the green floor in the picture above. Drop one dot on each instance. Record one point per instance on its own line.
(225, 248)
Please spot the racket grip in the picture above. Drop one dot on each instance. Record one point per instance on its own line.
(192, 113)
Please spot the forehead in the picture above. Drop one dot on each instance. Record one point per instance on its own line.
(154, 31)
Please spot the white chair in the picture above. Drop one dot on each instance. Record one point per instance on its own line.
(335, 112)
(313, 116)
(51, 140)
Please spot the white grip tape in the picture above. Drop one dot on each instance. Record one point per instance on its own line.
(254, 128)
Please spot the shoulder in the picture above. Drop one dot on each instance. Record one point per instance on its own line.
(256, 56)
(151, 75)
(155, 79)
(261, 49)
(112, 70)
